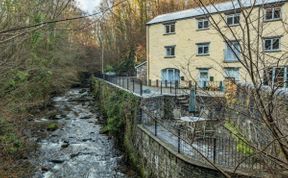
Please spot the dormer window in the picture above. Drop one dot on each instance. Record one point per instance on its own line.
(233, 19)
(170, 28)
(273, 13)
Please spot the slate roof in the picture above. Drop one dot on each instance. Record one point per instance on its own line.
(221, 7)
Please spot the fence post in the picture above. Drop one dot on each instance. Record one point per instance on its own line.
(176, 85)
(214, 150)
(149, 83)
(179, 140)
(127, 83)
(133, 85)
(170, 86)
(161, 88)
(157, 83)
(141, 88)
(155, 128)
(166, 83)
(140, 116)
(123, 83)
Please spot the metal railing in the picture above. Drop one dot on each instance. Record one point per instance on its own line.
(227, 152)
(158, 87)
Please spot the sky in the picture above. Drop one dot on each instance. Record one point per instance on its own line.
(88, 5)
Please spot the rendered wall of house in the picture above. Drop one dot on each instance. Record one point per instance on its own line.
(187, 35)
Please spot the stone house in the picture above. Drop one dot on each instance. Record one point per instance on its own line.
(186, 45)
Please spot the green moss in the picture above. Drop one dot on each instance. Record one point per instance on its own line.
(52, 126)
(121, 109)
(242, 146)
(10, 141)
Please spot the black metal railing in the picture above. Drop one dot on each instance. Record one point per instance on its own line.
(226, 152)
(157, 87)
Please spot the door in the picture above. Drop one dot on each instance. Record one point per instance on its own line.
(203, 78)
(170, 75)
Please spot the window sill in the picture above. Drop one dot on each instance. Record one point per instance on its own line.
(167, 57)
(272, 51)
(202, 55)
(202, 29)
(234, 61)
(232, 25)
(165, 34)
(271, 20)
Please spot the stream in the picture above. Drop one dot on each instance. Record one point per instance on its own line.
(77, 149)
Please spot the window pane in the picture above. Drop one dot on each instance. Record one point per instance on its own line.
(206, 24)
(230, 20)
(237, 19)
(200, 50)
(277, 13)
(268, 44)
(200, 24)
(276, 44)
(172, 28)
(173, 51)
(167, 28)
(269, 13)
(206, 49)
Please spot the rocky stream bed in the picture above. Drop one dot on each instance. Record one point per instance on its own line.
(77, 148)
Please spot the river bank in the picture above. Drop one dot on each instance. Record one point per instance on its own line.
(75, 147)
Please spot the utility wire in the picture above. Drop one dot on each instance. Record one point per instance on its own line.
(60, 20)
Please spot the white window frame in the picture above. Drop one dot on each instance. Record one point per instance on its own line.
(233, 16)
(203, 46)
(235, 69)
(232, 47)
(285, 77)
(272, 39)
(273, 13)
(169, 52)
(202, 21)
(171, 28)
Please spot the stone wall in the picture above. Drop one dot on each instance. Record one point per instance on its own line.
(162, 162)
(148, 154)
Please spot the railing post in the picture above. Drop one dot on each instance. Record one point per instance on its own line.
(179, 140)
(176, 85)
(141, 88)
(214, 150)
(155, 128)
(166, 83)
(161, 88)
(149, 83)
(157, 83)
(140, 116)
(170, 86)
(127, 80)
(123, 83)
(133, 85)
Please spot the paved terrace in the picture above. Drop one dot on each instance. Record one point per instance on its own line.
(137, 87)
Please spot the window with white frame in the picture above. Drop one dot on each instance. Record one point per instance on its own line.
(273, 13)
(202, 49)
(203, 23)
(169, 51)
(232, 72)
(233, 19)
(170, 28)
(276, 76)
(272, 44)
(232, 51)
